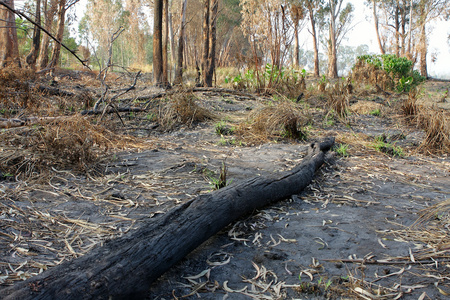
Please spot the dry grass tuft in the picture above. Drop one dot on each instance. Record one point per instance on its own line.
(437, 130)
(15, 89)
(338, 98)
(366, 107)
(410, 106)
(67, 142)
(433, 229)
(363, 72)
(181, 108)
(277, 121)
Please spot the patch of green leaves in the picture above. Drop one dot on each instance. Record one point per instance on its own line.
(341, 149)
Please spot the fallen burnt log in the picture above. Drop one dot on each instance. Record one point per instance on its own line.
(125, 267)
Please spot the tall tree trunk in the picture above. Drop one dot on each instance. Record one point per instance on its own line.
(173, 57)
(32, 56)
(397, 30)
(314, 35)
(59, 35)
(157, 43)
(375, 18)
(423, 51)
(179, 72)
(332, 59)
(9, 45)
(165, 42)
(49, 13)
(205, 40)
(211, 63)
(296, 46)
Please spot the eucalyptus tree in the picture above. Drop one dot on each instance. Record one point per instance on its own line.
(340, 19)
(314, 8)
(9, 46)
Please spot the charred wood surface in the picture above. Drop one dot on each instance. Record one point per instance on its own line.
(125, 267)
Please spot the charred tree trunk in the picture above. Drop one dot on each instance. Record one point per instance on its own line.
(165, 57)
(157, 43)
(9, 45)
(211, 61)
(179, 71)
(32, 56)
(125, 267)
(205, 41)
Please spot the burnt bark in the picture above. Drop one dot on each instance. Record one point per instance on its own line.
(157, 43)
(211, 61)
(205, 53)
(9, 45)
(165, 43)
(179, 71)
(125, 267)
(32, 56)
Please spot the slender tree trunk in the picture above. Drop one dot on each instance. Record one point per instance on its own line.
(9, 45)
(212, 45)
(375, 18)
(59, 36)
(205, 41)
(423, 51)
(410, 26)
(49, 12)
(165, 42)
(397, 30)
(157, 43)
(332, 59)
(316, 50)
(296, 46)
(179, 72)
(173, 57)
(32, 56)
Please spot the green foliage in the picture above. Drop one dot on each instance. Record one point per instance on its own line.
(399, 68)
(382, 145)
(341, 149)
(223, 129)
(376, 112)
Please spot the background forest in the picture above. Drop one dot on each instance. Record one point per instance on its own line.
(248, 34)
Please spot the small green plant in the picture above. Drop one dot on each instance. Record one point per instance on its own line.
(223, 129)
(382, 145)
(151, 117)
(341, 150)
(221, 181)
(376, 112)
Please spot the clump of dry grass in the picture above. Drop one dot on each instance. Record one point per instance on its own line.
(338, 99)
(15, 89)
(366, 107)
(181, 108)
(66, 142)
(363, 72)
(276, 121)
(437, 130)
(410, 106)
(432, 228)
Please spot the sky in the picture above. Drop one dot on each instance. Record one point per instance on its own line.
(364, 33)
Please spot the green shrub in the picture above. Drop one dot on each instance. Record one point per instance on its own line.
(399, 70)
